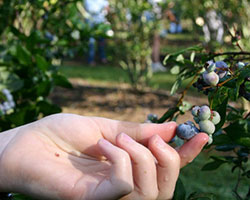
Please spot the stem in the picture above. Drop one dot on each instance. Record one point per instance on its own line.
(248, 194)
(187, 87)
(247, 115)
(235, 190)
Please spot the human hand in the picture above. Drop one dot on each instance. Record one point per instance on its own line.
(67, 156)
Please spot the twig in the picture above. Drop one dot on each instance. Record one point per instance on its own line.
(187, 87)
(247, 115)
(232, 53)
(237, 185)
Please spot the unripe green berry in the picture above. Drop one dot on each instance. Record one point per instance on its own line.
(195, 110)
(207, 126)
(211, 78)
(204, 113)
(210, 140)
(215, 118)
(211, 67)
(240, 65)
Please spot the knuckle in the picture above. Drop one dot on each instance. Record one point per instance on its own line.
(172, 159)
(146, 156)
(149, 194)
(123, 188)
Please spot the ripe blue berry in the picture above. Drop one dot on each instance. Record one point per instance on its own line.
(204, 113)
(222, 68)
(210, 78)
(152, 117)
(215, 117)
(187, 130)
(207, 126)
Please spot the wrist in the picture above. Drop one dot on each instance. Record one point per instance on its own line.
(5, 139)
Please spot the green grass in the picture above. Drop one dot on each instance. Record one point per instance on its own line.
(111, 74)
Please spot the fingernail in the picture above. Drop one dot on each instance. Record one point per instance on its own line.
(159, 142)
(126, 138)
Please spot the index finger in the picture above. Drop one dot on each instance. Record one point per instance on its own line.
(139, 132)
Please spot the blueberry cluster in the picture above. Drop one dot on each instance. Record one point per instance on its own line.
(214, 72)
(205, 118)
(7, 105)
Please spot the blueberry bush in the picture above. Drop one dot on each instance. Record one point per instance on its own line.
(31, 44)
(134, 24)
(224, 78)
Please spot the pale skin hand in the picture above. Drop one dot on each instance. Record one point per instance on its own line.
(62, 157)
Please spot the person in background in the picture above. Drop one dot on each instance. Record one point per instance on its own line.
(156, 13)
(69, 157)
(97, 10)
(173, 16)
(213, 27)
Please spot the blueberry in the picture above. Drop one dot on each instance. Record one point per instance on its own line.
(222, 68)
(197, 120)
(215, 117)
(207, 126)
(210, 140)
(195, 111)
(211, 78)
(211, 67)
(240, 65)
(187, 130)
(152, 117)
(204, 113)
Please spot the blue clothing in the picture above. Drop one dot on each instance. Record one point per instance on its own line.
(96, 10)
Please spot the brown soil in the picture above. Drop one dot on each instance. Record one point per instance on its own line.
(116, 101)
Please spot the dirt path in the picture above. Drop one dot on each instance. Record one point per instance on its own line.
(116, 101)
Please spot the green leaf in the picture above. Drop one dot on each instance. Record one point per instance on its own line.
(193, 48)
(222, 110)
(212, 165)
(225, 147)
(180, 58)
(200, 196)
(42, 63)
(239, 132)
(175, 86)
(192, 56)
(62, 81)
(175, 70)
(221, 139)
(23, 55)
(180, 192)
(245, 141)
(168, 115)
(166, 58)
(47, 108)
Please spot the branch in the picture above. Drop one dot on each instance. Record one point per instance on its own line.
(231, 53)
(237, 185)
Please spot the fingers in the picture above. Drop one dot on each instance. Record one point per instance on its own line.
(168, 166)
(120, 182)
(139, 132)
(144, 169)
(192, 148)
